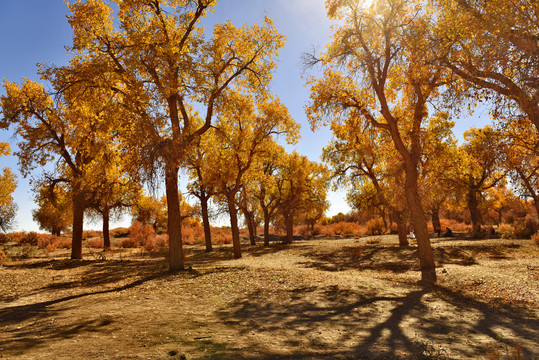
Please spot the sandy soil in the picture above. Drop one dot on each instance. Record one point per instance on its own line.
(314, 299)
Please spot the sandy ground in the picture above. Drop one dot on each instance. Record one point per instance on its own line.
(314, 299)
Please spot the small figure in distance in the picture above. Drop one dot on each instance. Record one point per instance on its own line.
(448, 232)
(412, 232)
(438, 231)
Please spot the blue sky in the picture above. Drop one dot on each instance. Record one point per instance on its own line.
(34, 31)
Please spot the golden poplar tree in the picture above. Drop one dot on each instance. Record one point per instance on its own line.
(379, 68)
(8, 184)
(160, 63)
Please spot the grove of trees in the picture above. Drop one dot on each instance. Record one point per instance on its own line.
(151, 99)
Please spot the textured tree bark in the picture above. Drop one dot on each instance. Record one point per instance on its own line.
(78, 223)
(402, 230)
(206, 223)
(234, 227)
(289, 223)
(475, 213)
(266, 226)
(436, 219)
(175, 246)
(250, 227)
(106, 225)
(426, 255)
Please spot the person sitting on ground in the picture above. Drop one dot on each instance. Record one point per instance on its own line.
(448, 232)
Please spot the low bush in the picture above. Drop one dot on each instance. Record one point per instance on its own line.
(221, 235)
(4, 238)
(88, 234)
(119, 232)
(128, 243)
(524, 228)
(30, 239)
(375, 226)
(96, 243)
(45, 240)
(192, 234)
(140, 233)
(535, 238)
(506, 231)
(342, 228)
(156, 244)
(454, 225)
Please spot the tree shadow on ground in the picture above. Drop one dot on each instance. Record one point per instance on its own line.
(42, 314)
(368, 325)
(87, 274)
(198, 257)
(383, 258)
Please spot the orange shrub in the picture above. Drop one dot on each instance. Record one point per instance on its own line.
(2, 255)
(119, 232)
(96, 243)
(17, 236)
(140, 233)
(342, 228)
(375, 226)
(51, 247)
(454, 225)
(221, 235)
(4, 238)
(87, 234)
(535, 238)
(128, 243)
(45, 240)
(63, 243)
(192, 234)
(156, 244)
(31, 239)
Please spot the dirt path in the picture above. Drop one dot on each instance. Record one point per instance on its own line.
(315, 299)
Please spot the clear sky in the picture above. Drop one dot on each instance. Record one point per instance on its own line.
(34, 31)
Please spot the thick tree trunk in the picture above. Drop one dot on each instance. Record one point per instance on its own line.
(234, 226)
(175, 246)
(426, 255)
(251, 228)
(289, 224)
(78, 223)
(206, 223)
(106, 234)
(402, 230)
(56, 231)
(475, 213)
(436, 219)
(266, 225)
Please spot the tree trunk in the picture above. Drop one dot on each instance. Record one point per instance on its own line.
(250, 227)
(475, 213)
(402, 230)
(78, 223)
(106, 234)
(436, 219)
(426, 255)
(234, 226)
(175, 246)
(266, 225)
(56, 231)
(206, 222)
(289, 223)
